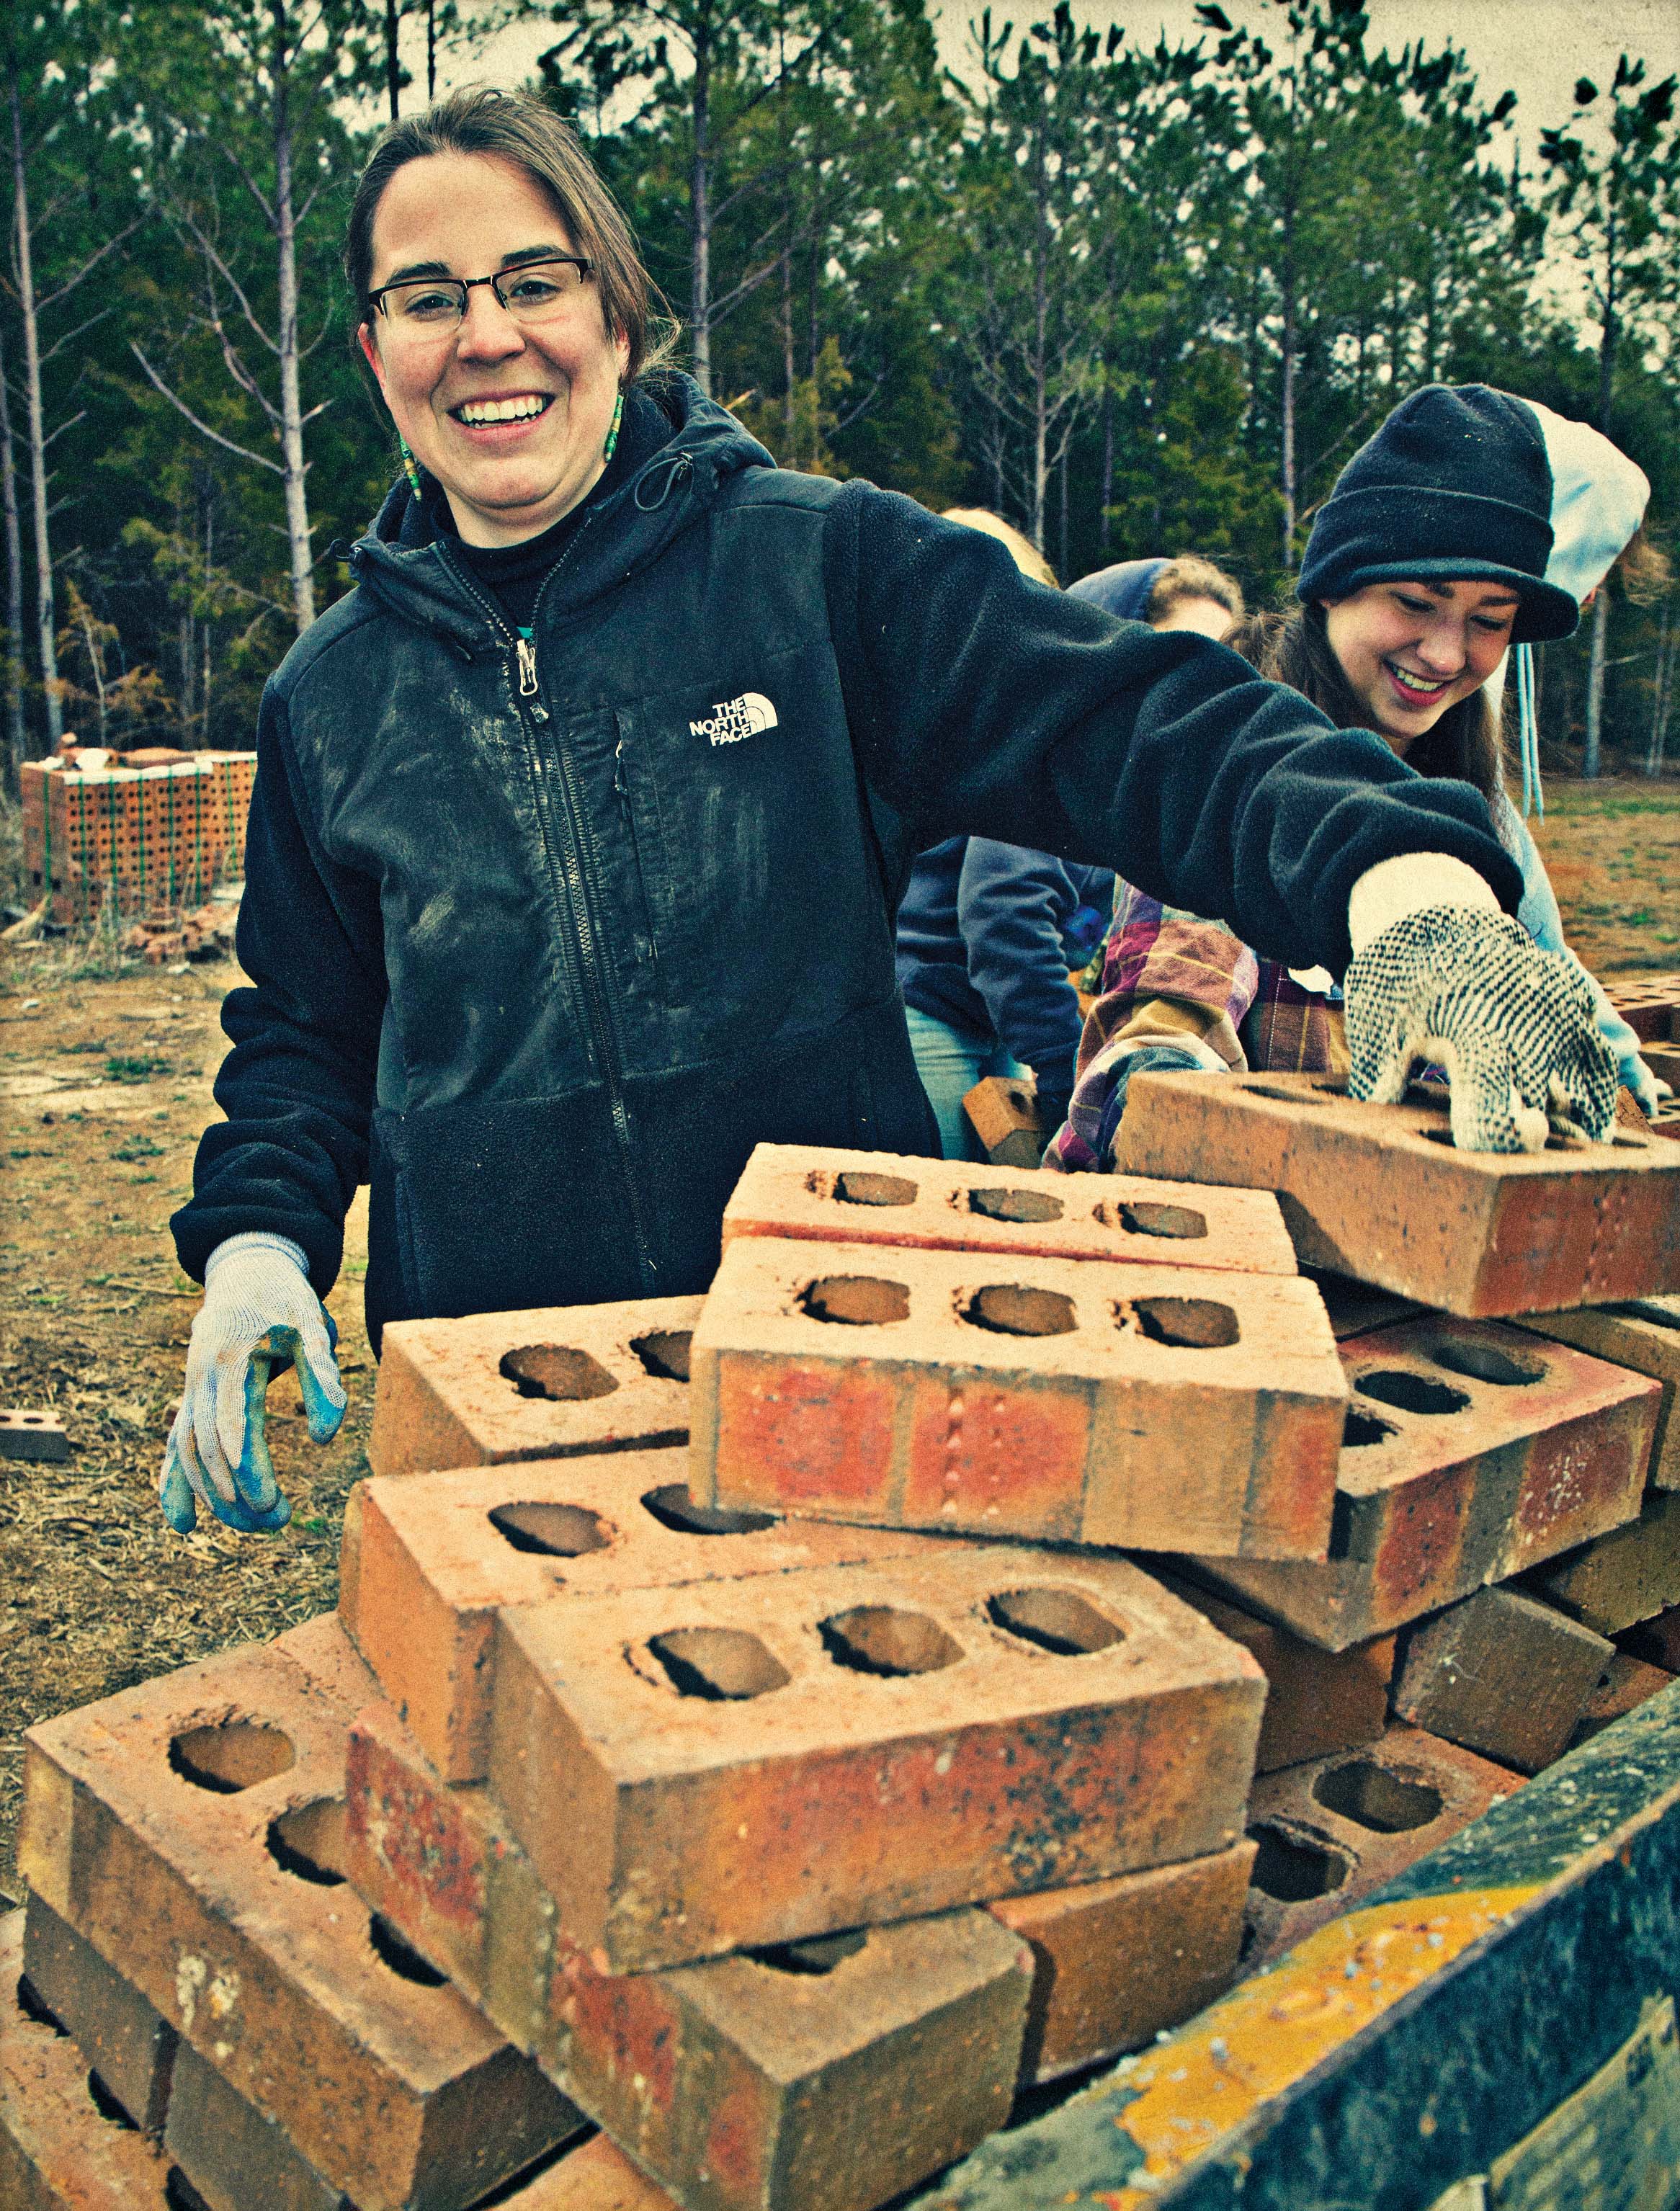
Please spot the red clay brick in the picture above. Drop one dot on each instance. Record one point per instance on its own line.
(740, 1763)
(1318, 1702)
(1356, 1309)
(1501, 1674)
(1656, 1641)
(1624, 1685)
(1432, 1503)
(395, 2093)
(234, 2156)
(578, 1383)
(124, 2038)
(434, 1566)
(1379, 1192)
(1003, 1111)
(595, 2176)
(1356, 1821)
(739, 2084)
(951, 1205)
(1643, 1335)
(1116, 1961)
(1629, 1575)
(1168, 1409)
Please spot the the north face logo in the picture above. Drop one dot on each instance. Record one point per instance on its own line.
(732, 719)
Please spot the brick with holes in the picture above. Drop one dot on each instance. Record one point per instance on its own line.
(190, 1830)
(1501, 1674)
(980, 1393)
(1331, 1832)
(1117, 1961)
(125, 2039)
(1473, 1450)
(1629, 1575)
(1644, 1335)
(826, 2078)
(1003, 1111)
(1624, 1685)
(1379, 1192)
(58, 2150)
(538, 1384)
(949, 1205)
(32, 1435)
(737, 1763)
(439, 1554)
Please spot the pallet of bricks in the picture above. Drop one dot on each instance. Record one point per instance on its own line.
(1650, 1004)
(135, 840)
(770, 1743)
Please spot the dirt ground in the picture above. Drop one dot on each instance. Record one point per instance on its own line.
(104, 1084)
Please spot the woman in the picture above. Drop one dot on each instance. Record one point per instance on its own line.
(579, 822)
(1187, 592)
(1397, 631)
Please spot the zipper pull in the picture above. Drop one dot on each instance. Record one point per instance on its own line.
(527, 657)
(619, 784)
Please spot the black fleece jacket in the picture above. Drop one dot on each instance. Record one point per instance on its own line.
(542, 938)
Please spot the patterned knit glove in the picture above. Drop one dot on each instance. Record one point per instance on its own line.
(258, 1313)
(1514, 1028)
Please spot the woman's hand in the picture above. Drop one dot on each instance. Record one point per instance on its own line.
(258, 1311)
(1514, 1027)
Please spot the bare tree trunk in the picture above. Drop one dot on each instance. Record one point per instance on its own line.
(1107, 484)
(291, 401)
(1595, 683)
(393, 67)
(1062, 539)
(1041, 342)
(788, 420)
(700, 211)
(17, 743)
(431, 49)
(208, 495)
(1288, 471)
(45, 622)
(1662, 690)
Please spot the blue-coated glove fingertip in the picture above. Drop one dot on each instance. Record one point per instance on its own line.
(248, 1520)
(180, 1506)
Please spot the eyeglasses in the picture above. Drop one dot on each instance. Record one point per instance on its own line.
(432, 306)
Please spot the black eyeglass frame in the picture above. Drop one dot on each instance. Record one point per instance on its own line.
(373, 302)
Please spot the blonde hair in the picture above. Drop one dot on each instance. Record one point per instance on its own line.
(1026, 555)
(1190, 577)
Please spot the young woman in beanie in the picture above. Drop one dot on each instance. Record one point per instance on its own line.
(1470, 522)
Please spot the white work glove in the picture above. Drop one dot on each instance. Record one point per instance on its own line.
(258, 1311)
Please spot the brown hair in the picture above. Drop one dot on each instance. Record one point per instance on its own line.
(1190, 577)
(512, 127)
(1294, 647)
(1026, 555)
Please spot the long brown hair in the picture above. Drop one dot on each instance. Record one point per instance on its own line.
(1294, 647)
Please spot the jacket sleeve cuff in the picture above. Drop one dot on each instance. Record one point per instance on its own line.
(1409, 883)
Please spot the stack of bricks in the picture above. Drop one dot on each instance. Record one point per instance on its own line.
(133, 839)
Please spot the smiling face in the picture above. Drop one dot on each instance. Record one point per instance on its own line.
(509, 419)
(1410, 650)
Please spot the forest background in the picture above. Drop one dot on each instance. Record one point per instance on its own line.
(1140, 293)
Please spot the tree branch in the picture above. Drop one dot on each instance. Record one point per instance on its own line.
(203, 428)
(51, 298)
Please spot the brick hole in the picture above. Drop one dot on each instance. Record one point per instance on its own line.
(665, 1353)
(1409, 1393)
(1360, 1429)
(1486, 1362)
(1341, 1526)
(725, 1665)
(880, 1639)
(556, 1372)
(395, 1951)
(857, 1186)
(231, 1755)
(1371, 1796)
(1283, 1097)
(1290, 1869)
(1622, 1141)
(1012, 1309)
(815, 1955)
(308, 1842)
(107, 2107)
(179, 2194)
(1025, 1205)
(1058, 1620)
(1144, 1217)
(551, 1531)
(856, 1301)
(1192, 1324)
(1025, 1102)
(673, 1508)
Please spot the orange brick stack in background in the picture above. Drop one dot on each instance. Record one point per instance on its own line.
(136, 840)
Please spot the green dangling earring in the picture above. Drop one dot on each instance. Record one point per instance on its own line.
(611, 446)
(410, 466)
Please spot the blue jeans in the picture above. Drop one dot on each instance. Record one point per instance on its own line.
(950, 1062)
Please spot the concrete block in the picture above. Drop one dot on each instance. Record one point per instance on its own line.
(740, 1763)
(58, 2150)
(1331, 1831)
(1472, 1452)
(1379, 1192)
(1115, 1962)
(123, 2038)
(190, 1830)
(438, 1556)
(825, 2076)
(1317, 1702)
(1003, 1111)
(1644, 1336)
(975, 1393)
(1501, 1674)
(1624, 1685)
(540, 1384)
(1622, 1577)
(951, 1205)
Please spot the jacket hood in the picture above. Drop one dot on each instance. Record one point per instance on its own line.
(401, 563)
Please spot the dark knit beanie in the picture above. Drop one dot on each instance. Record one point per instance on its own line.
(1456, 486)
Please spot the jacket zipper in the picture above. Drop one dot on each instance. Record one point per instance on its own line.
(565, 859)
